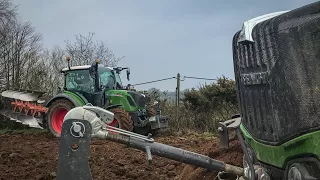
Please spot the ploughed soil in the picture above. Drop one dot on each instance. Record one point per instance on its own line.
(35, 156)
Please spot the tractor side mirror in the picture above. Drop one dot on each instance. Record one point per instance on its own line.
(128, 74)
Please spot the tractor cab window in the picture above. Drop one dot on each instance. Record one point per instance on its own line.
(110, 79)
(106, 79)
(118, 79)
(79, 80)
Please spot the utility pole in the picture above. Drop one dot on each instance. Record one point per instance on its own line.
(178, 89)
(177, 96)
(176, 101)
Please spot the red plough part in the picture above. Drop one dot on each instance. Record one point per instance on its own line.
(22, 102)
(34, 108)
(112, 124)
(26, 107)
(18, 104)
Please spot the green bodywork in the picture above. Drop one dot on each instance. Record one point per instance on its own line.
(121, 97)
(74, 96)
(114, 97)
(307, 144)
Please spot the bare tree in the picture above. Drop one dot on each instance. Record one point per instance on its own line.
(20, 52)
(7, 16)
(54, 61)
(84, 50)
(7, 11)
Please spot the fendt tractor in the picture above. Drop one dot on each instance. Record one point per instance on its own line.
(95, 84)
(277, 71)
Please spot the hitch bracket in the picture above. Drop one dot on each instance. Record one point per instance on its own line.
(74, 150)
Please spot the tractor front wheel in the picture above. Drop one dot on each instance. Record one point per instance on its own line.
(122, 119)
(57, 112)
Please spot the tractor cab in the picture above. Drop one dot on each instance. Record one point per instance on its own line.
(79, 78)
(92, 81)
(93, 78)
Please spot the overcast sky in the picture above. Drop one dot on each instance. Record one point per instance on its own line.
(158, 38)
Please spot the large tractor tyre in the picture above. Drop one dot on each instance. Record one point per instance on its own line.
(56, 113)
(122, 119)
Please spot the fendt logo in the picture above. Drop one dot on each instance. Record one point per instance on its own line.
(254, 78)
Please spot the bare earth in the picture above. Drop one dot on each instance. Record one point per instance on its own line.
(35, 156)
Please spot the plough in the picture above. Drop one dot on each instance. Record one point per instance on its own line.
(27, 102)
(27, 108)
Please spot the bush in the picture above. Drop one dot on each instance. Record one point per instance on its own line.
(201, 108)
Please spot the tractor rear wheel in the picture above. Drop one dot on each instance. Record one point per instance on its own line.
(56, 114)
(122, 119)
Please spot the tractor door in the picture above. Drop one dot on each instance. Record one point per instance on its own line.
(81, 82)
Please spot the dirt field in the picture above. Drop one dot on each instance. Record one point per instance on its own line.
(36, 157)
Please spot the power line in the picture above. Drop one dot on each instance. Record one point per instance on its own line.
(198, 78)
(154, 81)
(184, 77)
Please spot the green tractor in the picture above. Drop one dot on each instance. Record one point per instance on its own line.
(94, 84)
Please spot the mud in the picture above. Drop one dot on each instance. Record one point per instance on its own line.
(35, 156)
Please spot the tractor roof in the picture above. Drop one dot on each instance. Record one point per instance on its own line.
(82, 67)
(246, 32)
